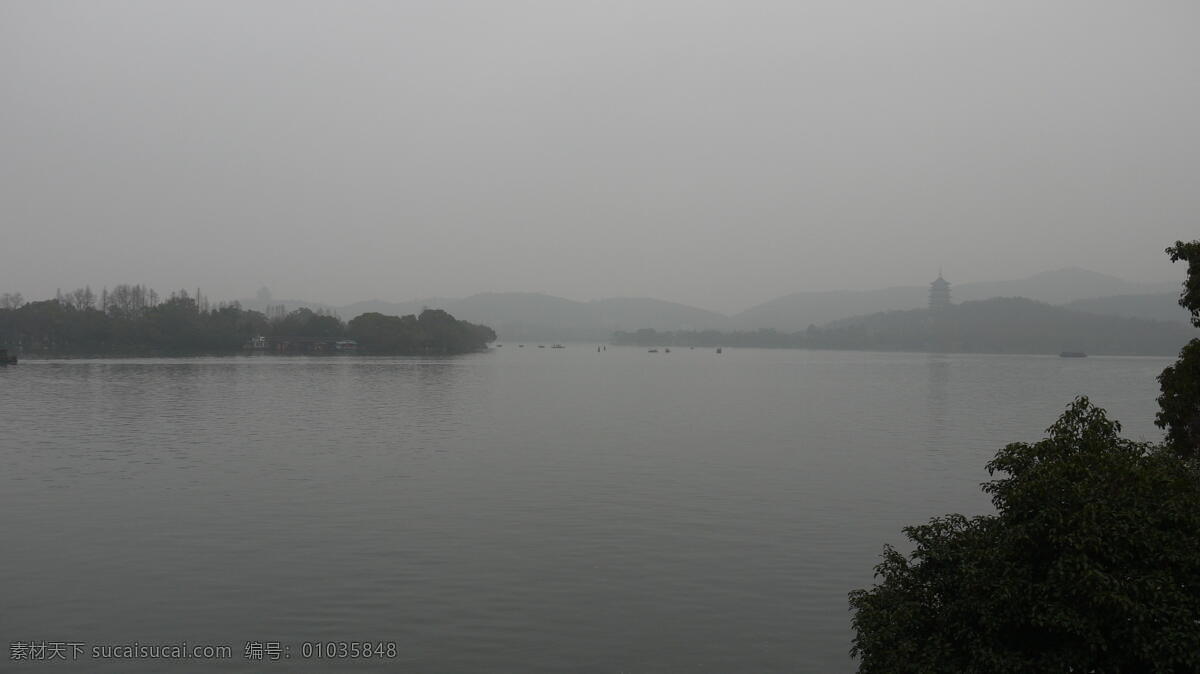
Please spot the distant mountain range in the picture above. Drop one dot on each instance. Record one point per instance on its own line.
(995, 325)
(535, 316)
(799, 310)
(1007, 325)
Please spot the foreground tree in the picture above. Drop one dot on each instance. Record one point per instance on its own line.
(1179, 403)
(1090, 564)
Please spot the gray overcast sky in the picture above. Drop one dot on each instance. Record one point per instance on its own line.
(714, 153)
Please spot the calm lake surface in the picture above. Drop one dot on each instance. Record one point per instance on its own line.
(522, 510)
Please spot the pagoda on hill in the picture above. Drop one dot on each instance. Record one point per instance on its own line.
(939, 294)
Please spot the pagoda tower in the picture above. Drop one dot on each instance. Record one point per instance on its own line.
(939, 294)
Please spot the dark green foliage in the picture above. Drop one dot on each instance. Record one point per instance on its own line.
(1179, 403)
(378, 332)
(1190, 297)
(1091, 564)
(305, 322)
(132, 321)
(440, 331)
(433, 330)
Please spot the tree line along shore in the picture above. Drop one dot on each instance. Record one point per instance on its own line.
(133, 320)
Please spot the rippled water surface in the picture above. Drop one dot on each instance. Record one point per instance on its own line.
(522, 510)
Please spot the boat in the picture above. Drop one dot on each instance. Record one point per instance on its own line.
(667, 350)
(520, 346)
(718, 349)
(1072, 354)
(558, 346)
(6, 359)
(541, 346)
(652, 351)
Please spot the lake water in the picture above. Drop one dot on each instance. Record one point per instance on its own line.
(522, 510)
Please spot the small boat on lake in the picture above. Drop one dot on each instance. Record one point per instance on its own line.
(1072, 354)
(652, 351)
(718, 349)
(558, 346)
(6, 359)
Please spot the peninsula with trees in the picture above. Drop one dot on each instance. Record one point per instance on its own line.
(132, 320)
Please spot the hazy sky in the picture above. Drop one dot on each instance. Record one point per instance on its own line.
(714, 153)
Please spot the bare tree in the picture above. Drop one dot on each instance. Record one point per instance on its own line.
(11, 301)
(82, 298)
(129, 301)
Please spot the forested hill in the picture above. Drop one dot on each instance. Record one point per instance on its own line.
(132, 321)
(799, 310)
(999, 325)
(1153, 306)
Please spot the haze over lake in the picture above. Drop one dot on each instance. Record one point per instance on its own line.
(528, 510)
(711, 153)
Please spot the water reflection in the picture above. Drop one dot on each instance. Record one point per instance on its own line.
(504, 511)
(938, 369)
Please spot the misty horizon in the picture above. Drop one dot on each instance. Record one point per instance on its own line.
(286, 298)
(711, 154)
